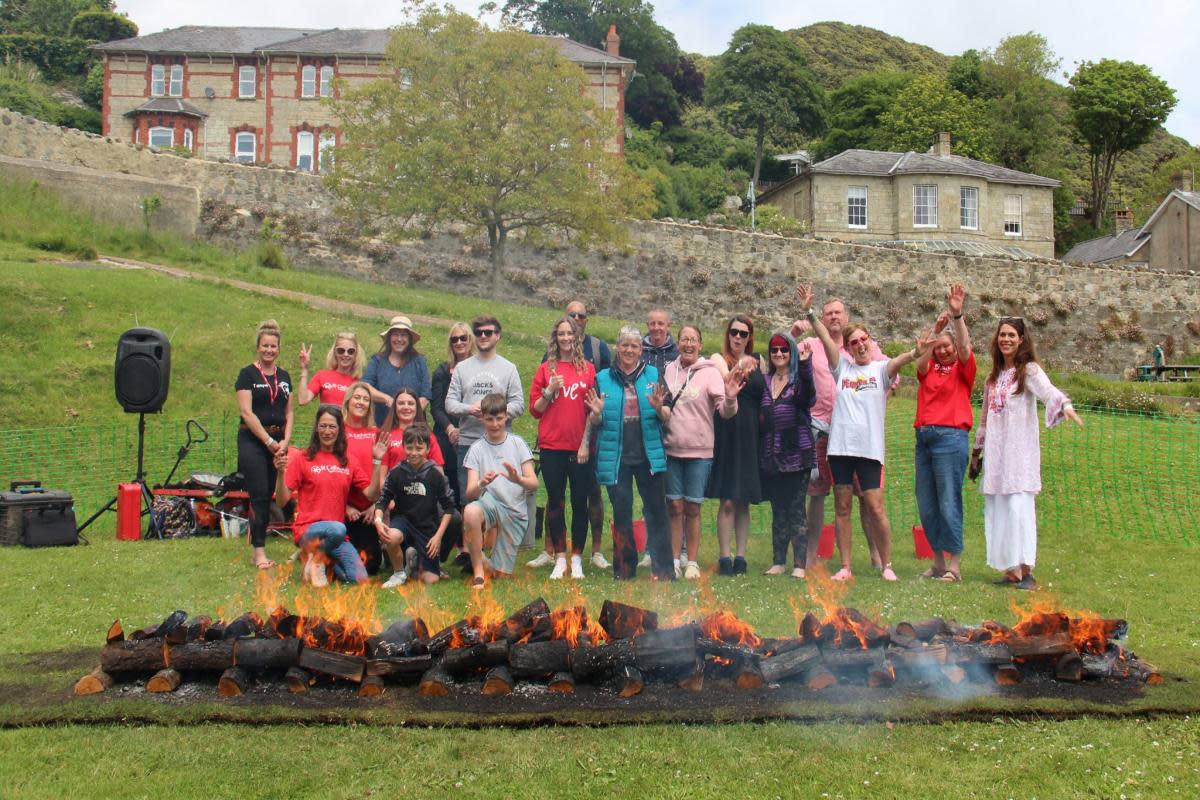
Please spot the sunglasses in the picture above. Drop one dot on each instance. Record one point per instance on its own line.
(775, 350)
(577, 315)
(739, 333)
(459, 339)
(345, 351)
(484, 333)
(1020, 320)
(858, 342)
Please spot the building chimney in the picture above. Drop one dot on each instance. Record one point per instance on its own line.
(612, 41)
(941, 145)
(1181, 181)
(1123, 221)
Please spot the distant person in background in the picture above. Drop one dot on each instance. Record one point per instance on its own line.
(361, 435)
(1009, 451)
(343, 366)
(396, 365)
(658, 348)
(264, 398)
(461, 346)
(945, 377)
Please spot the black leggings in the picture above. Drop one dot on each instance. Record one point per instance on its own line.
(558, 467)
(787, 492)
(257, 465)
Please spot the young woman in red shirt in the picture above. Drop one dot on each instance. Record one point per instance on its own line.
(343, 366)
(361, 435)
(405, 410)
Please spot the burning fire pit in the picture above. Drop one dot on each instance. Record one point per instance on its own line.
(622, 650)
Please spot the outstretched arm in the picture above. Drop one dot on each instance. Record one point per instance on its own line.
(924, 343)
(955, 297)
(805, 295)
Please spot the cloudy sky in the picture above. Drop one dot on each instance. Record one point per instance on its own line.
(1163, 34)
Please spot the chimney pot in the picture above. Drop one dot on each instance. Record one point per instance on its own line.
(941, 145)
(1123, 220)
(613, 41)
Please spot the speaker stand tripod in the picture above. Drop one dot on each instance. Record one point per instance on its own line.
(147, 497)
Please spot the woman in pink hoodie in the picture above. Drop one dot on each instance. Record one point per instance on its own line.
(695, 390)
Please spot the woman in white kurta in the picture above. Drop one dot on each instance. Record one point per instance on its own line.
(1008, 442)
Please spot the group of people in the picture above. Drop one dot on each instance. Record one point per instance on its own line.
(784, 426)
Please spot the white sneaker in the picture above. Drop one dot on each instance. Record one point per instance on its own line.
(560, 569)
(577, 567)
(543, 559)
(678, 571)
(645, 562)
(692, 572)
(599, 561)
(398, 579)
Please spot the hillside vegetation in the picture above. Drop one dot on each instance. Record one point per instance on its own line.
(837, 52)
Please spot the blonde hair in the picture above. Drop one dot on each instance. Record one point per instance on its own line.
(576, 349)
(267, 327)
(464, 328)
(350, 390)
(360, 358)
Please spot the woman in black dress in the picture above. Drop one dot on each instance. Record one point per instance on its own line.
(734, 477)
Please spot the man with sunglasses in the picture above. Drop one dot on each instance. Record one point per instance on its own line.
(594, 350)
(484, 373)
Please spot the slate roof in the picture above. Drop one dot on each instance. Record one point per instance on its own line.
(971, 248)
(205, 39)
(168, 105)
(1107, 248)
(883, 163)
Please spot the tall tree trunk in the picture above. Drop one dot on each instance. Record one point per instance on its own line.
(497, 237)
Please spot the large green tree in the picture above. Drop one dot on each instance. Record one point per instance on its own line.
(1116, 106)
(855, 109)
(762, 85)
(494, 129)
(928, 106)
(1027, 109)
(49, 17)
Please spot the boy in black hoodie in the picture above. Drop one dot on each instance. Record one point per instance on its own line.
(422, 512)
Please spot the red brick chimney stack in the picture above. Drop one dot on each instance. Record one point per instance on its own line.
(1122, 220)
(612, 41)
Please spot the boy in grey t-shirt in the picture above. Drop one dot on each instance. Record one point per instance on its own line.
(499, 474)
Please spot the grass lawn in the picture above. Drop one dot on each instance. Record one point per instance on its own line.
(1120, 546)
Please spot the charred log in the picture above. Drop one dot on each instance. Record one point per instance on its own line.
(197, 628)
(371, 686)
(880, 673)
(498, 681)
(339, 665)
(607, 659)
(521, 623)
(1069, 667)
(436, 682)
(298, 680)
(264, 654)
(461, 633)
(1033, 647)
(818, 677)
(201, 656)
(981, 653)
(539, 659)
(461, 661)
(402, 667)
(748, 675)
(621, 621)
(134, 655)
(1007, 675)
(398, 639)
(248, 624)
(924, 629)
(628, 681)
(669, 648)
(789, 663)
(562, 682)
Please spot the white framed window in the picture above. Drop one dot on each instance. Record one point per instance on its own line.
(925, 206)
(187, 138)
(244, 149)
(325, 151)
(176, 80)
(247, 81)
(1012, 215)
(308, 81)
(162, 137)
(856, 206)
(968, 204)
(326, 81)
(158, 80)
(304, 151)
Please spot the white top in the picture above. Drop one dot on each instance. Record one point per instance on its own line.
(859, 404)
(485, 457)
(1008, 431)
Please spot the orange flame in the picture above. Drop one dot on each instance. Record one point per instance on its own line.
(1089, 631)
(571, 622)
(724, 626)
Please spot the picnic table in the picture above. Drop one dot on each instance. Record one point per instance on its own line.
(1176, 372)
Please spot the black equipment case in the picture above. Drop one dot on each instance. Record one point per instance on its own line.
(37, 517)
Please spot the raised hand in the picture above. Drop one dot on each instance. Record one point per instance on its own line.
(942, 321)
(804, 294)
(735, 381)
(925, 342)
(955, 296)
(305, 355)
(800, 327)
(804, 350)
(379, 449)
(658, 396)
(511, 473)
(595, 402)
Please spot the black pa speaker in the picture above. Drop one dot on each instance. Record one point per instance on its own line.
(143, 370)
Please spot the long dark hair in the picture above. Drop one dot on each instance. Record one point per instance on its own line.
(339, 444)
(391, 422)
(730, 361)
(1025, 352)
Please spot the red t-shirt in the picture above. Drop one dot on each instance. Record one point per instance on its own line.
(321, 486)
(395, 452)
(944, 395)
(562, 423)
(359, 445)
(329, 386)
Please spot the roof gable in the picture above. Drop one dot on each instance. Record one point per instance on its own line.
(1190, 198)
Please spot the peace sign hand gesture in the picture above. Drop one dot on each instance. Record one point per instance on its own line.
(305, 356)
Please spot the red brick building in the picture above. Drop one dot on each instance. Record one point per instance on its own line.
(254, 94)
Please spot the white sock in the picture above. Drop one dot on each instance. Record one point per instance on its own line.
(576, 561)
(677, 563)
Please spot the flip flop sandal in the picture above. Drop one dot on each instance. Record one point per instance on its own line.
(950, 577)
(930, 573)
(268, 564)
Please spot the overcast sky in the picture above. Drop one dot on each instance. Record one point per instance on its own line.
(1163, 34)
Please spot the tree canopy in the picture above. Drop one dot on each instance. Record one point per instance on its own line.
(494, 129)
(1116, 106)
(855, 110)
(928, 106)
(761, 84)
(102, 26)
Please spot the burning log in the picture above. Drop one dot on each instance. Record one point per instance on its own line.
(789, 663)
(810, 628)
(981, 653)
(840, 660)
(924, 629)
(918, 659)
(281, 624)
(436, 682)
(774, 647)
(201, 656)
(94, 682)
(903, 641)
(562, 682)
(610, 658)
(264, 654)
(233, 682)
(748, 675)
(173, 621)
(818, 677)
(115, 633)
(628, 681)
(1069, 667)
(403, 666)
(197, 628)
(1031, 647)
(880, 673)
(622, 621)
(339, 665)
(498, 681)
(398, 639)
(247, 624)
(215, 632)
(298, 680)
(133, 655)
(538, 659)
(371, 686)
(165, 680)
(730, 652)
(1007, 675)
(669, 648)
(521, 623)
(460, 661)
(461, 633)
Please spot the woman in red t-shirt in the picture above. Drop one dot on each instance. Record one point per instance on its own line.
(361, 435)
(405, 410)
(343, 366)
(321, 478)
(945, 377)
(556, 398)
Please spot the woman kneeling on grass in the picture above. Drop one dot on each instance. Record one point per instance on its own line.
(856, 440)
(1007, 442)
(321, 477)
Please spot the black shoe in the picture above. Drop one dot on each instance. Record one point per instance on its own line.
(725, 565)
(1028, 584)
(739, 565)
(463, 562)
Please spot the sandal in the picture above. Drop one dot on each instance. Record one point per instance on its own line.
(950, 577)
(1007, 579)
(842, 574)
(266, 564)
(798, 573)
(931, 573)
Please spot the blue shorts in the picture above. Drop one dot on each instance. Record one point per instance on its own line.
(687, 477)
(510, 532)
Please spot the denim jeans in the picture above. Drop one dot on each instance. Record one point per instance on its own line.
(653, 491)
(330, 538)
(941, 463)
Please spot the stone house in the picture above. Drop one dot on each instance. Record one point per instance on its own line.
(254, 94)
(933, 201)
(1169, 240)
